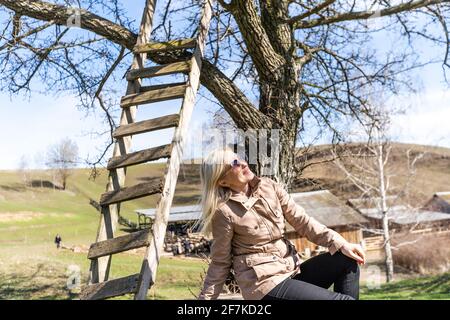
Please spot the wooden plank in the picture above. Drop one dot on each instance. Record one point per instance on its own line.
(161, 86)
(139, 157)
(99, 269)
(165, 46)
(130, 241)
(171, 68)
(163, 122)
(153, 95)
(111, 288)
(130, 193)
(152, 256)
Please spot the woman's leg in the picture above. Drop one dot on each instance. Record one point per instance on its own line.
(326, 269)
(293, 289)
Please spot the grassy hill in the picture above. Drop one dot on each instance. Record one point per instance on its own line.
(30, 216)
(431, 174)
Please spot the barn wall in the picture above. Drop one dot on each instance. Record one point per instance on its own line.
(301, 243)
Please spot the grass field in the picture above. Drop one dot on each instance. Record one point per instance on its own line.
(46, 276)
(31, 216)
(421, 288)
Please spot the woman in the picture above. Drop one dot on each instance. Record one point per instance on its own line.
(245, 215)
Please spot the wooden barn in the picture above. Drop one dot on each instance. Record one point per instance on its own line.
(402, 219)
(440, 202)
(330, 211)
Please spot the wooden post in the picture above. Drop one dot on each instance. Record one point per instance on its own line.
(151, 260)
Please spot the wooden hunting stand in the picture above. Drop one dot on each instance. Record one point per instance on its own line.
(100, 252)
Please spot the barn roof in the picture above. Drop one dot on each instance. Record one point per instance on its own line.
(373, 202)
(439, 202)
(177, 214)
(405, 215)
(326, 208)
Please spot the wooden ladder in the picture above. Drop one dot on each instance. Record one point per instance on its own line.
(100, 252)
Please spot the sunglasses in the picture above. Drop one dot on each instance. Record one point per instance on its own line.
(236, 163)
(233, 164)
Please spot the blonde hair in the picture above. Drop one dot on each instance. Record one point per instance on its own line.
(212, 169)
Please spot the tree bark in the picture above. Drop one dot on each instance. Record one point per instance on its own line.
(387, 239)
(45, 11)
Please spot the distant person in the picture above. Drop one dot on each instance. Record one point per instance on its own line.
(58, 241)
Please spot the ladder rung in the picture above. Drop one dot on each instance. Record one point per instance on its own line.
(161, 86)
(154, 94)
(171, 68)
(120, 244)
(165, 46)
(147, 125)
(139, 157)
(111, 288)
(130, 193)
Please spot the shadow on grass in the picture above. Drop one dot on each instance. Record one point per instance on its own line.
(20, 187)
(42, 284)
(434, 287)
(185, 200)
(14, 187)
(44, 184)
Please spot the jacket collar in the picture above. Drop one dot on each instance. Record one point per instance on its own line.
(254, 184)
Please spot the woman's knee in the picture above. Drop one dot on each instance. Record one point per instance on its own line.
(347, 262)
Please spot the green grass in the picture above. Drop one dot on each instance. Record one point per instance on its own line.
(40, 277)
(422, 288)
(30, 265)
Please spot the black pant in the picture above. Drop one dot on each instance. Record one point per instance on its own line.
(316, 276)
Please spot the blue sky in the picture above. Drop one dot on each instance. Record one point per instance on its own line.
(30, 124)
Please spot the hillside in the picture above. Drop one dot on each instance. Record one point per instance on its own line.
(431, 174)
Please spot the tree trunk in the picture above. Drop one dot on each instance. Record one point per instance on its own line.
(387, 249)
(387, 240)
(279, 101)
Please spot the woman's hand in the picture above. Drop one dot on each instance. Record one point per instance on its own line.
(354, 251)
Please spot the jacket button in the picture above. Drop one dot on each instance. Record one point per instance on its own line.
(256, 227)
(274, 258)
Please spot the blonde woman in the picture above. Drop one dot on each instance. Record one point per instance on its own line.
(245, 215)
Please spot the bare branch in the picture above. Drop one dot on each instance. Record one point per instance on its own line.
(360, 15)
(60, 15)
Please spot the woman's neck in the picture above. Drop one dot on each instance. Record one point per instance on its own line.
(241, 189)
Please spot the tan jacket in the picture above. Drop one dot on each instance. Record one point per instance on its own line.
(248, 236)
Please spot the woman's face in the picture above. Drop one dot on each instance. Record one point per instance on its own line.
(237, 172)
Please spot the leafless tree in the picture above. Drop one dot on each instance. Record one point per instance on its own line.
(62, 158)
(366, 166)
(270, 64)
(23, 170)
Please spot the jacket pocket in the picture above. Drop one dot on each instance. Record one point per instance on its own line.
(266, 266)
(273, 207)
